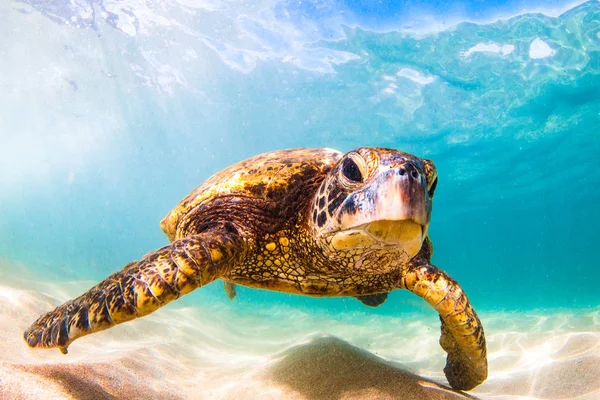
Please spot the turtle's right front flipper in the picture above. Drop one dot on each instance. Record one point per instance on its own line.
(138, 289)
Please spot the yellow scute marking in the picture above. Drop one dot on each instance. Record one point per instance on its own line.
(216, 255)
(271, 246)
(284, 241)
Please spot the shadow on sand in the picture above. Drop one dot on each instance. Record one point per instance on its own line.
(328, 368)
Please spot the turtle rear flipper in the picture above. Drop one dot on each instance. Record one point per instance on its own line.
(230, 289)
(462, 333)
(138, 289)
(373, 300)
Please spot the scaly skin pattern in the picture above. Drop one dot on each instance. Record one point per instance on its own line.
(462, 333)
(138, 289)
(273, 222)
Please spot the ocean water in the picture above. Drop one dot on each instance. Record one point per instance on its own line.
(112, 111)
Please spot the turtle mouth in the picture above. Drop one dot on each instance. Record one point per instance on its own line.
(394, 232)
(405, 235)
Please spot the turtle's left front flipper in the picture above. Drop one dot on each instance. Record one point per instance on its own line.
(138, 289)
(462, 333)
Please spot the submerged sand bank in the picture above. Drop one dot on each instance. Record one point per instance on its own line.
(224, 351)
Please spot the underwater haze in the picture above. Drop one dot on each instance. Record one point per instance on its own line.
(112, 111)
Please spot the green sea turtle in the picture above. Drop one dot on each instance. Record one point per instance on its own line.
(314, 222)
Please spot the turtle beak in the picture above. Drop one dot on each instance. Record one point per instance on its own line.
(394, 209)
(402, 196)
(398, 194)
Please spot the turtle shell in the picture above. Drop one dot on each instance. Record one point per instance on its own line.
(268, 176)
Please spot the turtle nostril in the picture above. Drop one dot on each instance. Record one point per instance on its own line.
(410, 170)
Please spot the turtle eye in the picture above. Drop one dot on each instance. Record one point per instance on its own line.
(351, 171)
(432, 188)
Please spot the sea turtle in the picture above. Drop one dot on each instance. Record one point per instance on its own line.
(315, 222)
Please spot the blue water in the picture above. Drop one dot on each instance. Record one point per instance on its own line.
(110, 112)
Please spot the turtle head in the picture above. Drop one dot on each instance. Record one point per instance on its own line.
(377, 200)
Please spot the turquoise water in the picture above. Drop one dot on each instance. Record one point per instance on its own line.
(112, 112)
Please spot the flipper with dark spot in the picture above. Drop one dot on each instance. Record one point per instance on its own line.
(138, 289)
(373, 300)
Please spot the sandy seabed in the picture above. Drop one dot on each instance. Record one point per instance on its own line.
(234, 352)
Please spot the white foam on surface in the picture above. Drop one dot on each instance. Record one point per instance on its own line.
(239, 39)
(416, 76)
(540, 49)
(390, 89)
(489, 48)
